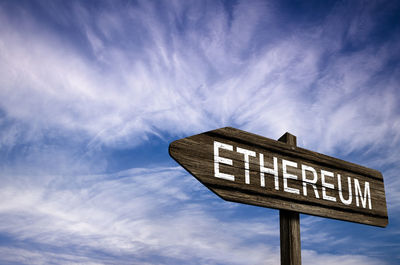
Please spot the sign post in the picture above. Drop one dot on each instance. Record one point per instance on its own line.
(243, 167)
(289, 223)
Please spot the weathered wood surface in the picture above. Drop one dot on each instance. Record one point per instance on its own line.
(289, 224)
(196, 154)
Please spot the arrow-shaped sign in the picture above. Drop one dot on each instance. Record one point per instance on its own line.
(243, 167)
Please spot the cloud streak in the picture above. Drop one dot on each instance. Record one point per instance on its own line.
(139, 216)
(202, 78)
(76, 79)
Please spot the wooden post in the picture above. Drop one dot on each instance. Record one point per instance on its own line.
(290, 225)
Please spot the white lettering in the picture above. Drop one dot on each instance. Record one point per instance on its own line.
(286, 176)
(218, 159)
(358, 193)
(326, 185)
(309, 177)
(246, 154)
(268, 171)
(311, 182)
(348, 201)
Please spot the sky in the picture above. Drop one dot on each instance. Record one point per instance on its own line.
(93, 92)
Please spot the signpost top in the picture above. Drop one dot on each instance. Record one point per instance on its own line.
(247, 168)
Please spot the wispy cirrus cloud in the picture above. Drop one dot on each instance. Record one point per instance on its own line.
(147, 72)
(138, 216)
(76, 78)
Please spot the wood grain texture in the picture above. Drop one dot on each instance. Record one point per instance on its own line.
(289, 224)
(290, 237)
(196, 155)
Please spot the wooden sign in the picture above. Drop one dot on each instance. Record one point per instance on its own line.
(243, 167)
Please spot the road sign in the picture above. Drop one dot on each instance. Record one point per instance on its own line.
(243, 167)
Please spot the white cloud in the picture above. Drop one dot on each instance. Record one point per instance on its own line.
(140, 216)
(136, 213)
(189, 82)
(313, 258)
(126, 73)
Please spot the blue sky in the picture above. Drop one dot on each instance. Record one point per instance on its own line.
(93, 92)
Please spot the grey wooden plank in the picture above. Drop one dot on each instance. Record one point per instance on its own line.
(196, 154)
